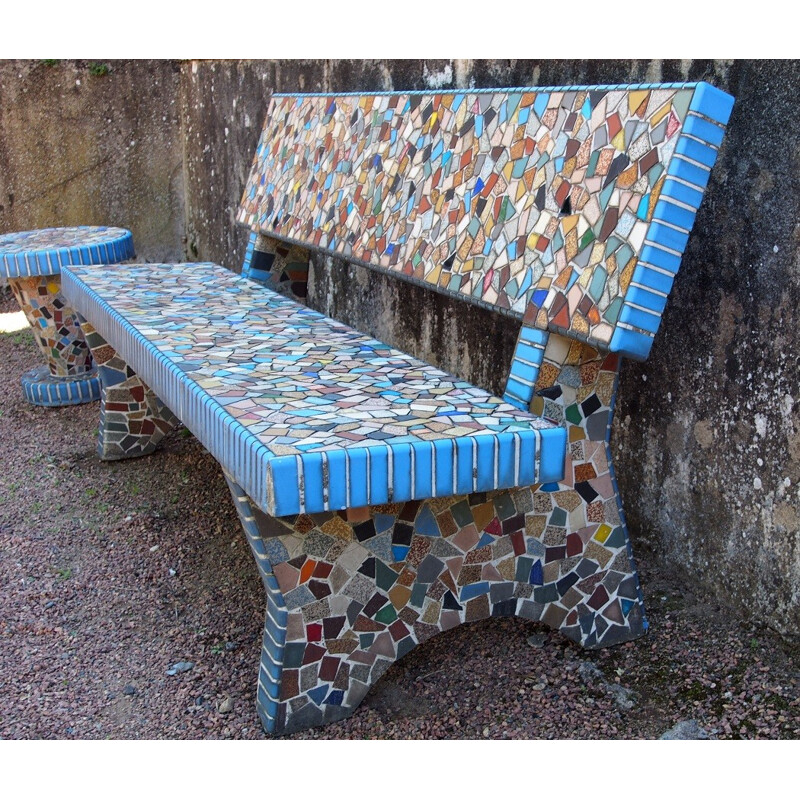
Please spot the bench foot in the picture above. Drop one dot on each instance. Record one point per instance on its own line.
(132, 418)
(581, 517)
(351, 592)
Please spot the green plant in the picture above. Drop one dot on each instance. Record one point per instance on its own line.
(21, 337)
(98, 68)
(49, 62)
(64, 574)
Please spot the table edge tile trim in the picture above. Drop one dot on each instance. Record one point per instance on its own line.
(49, 262)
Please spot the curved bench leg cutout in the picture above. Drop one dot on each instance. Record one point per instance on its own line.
(69, 377)
(588, 561)
(279, 266)
(132, 418)
(361, 588)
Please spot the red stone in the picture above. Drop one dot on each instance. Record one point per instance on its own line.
(314, 632)
(322, 570)
(574, 545)
(313, 653)
(328, 668)
(398, 630)
(494, 527)
(518, 543)
(562, 318)
(598, 599)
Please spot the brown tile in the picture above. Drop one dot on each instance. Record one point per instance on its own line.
(477, 608)
(554, 615)
(399, 596)
(469, 574)
(466, 538)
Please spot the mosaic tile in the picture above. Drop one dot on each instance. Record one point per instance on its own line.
(281, 267)
(32, 260)
(45, 251)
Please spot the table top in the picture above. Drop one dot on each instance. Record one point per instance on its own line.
(46, 250)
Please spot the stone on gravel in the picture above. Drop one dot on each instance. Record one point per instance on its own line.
(622, 697)
(226, 706)
(129, 690)
(686, 729)
(589, 671)
(181, 666)
(538, 640)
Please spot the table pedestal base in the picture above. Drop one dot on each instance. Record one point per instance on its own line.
(43, 389)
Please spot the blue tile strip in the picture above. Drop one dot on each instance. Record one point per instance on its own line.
(525, 365)
(274, 638)
(43, 389)
(45, 251)
(673, 217)
(248, 255)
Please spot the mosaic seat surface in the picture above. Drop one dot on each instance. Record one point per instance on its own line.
(566, 207)
(333, 418)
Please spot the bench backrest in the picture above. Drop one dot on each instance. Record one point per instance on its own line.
(567, 206)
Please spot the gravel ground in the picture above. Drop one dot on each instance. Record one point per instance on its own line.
(112, 573)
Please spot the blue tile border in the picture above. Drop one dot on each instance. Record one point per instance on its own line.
(674, 215)
(102, 245)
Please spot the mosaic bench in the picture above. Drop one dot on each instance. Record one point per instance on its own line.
(384, 500)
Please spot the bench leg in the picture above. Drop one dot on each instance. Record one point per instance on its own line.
(351, 592)
(69, 376)
(279, 266)
(132, 418)
(588, 567)
(260, 531)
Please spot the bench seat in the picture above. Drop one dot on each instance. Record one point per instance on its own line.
(328, 417)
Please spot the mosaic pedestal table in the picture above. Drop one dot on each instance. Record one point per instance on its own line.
(32, 261)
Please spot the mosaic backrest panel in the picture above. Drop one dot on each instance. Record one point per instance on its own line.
(528, 200)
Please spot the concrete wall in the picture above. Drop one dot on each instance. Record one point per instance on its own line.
(93, 143)
(707, 434)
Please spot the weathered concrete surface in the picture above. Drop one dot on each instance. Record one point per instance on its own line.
(709, 431)
(84, 146)
(707, 434)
